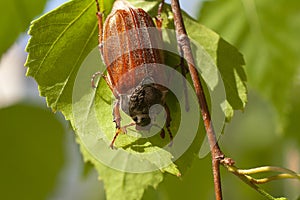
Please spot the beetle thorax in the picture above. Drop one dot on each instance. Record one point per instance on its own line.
(140, 102)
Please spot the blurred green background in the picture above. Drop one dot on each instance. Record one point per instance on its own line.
(39, 156)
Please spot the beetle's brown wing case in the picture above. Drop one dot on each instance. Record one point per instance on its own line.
(131, 40)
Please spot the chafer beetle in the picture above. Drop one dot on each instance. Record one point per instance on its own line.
(129, 43)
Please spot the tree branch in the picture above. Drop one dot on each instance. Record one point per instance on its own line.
(185, 51)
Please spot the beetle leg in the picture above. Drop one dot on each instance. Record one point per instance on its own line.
(162, 133)
(160, 7)
(100, 24)
(184, 71)
(105, 78)
(168, 123)
(100, 41)
(124, 128)
(158, 18)
(117, 120)
(94, 77)
(100, 33)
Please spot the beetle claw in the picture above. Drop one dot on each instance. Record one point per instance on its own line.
(124, 130)
(118, 131)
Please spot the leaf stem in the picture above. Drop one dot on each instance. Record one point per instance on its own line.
(271, 178)
(246, 179)
(267, 169)
(244, 175)
(285, 173)
(185, 51)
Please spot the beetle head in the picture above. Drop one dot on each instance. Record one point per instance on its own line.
(141, 100)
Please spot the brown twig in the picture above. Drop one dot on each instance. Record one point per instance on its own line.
(185, 50)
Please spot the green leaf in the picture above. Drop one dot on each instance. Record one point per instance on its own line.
(54, 60)
(120, 185)
(64, 55)
(15, 18)
(267, 34)
(32, 152)
(66, 32)
(229, 72)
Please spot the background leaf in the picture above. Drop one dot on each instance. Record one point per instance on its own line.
(31, 140)
(267, 34)
(229, 63)
(15, 19)
(121, 185)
